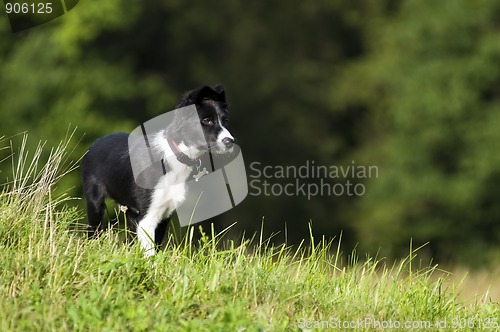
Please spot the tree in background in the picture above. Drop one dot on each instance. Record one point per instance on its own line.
(430, 84)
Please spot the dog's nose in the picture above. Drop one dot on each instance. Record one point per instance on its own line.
(228, 142)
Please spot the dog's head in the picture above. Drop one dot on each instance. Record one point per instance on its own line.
(213, 115)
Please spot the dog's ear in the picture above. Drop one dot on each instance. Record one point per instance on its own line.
(220, 91)
(197, 95)
(205, 92)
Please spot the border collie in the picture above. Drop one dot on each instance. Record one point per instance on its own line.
(107, 170)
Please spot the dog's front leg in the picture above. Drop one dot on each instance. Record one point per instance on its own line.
(146, 233)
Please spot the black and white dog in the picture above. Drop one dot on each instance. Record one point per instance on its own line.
(107, 170)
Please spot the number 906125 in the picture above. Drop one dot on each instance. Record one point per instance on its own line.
(25, 14)
(28, 8)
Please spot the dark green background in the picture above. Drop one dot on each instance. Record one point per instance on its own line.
(410, 86)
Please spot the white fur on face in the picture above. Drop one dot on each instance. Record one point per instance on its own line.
(221, 147)
(223, 134)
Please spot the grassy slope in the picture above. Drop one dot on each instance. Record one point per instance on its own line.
(54, 279)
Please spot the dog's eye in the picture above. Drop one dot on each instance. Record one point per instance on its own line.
(207, 121)
(224, 121)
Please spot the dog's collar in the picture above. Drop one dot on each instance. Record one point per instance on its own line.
(181, 156)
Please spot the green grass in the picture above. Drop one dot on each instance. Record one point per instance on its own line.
(53, 279)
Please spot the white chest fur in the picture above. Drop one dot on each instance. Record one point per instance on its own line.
(167, 195)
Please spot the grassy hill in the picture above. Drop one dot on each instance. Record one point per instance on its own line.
(53, 279)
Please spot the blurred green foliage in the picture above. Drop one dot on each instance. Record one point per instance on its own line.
(410, 86)
(430, 83)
